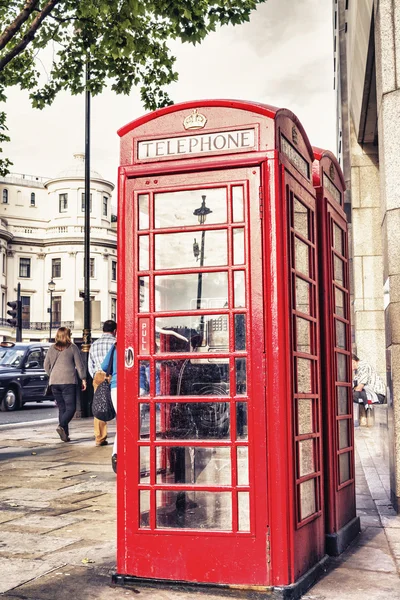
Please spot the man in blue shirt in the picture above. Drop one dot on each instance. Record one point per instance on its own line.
(98, 351)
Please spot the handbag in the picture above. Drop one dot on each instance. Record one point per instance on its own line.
(102, 406)
(47, 390)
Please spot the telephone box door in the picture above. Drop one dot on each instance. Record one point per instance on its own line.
(192, 477)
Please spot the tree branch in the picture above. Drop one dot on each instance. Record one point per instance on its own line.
(30, 34)
(16, 25)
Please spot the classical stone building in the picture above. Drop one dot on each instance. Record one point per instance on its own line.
(367, 80)
(41, 239)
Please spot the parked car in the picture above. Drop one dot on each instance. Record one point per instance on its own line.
(22, 376)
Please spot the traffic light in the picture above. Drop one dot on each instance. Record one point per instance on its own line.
(15, 317)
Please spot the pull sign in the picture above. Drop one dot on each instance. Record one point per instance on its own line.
(129, 357)
(144, 336)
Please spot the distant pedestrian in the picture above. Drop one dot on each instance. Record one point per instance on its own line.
(368, 386)
(113, 373)
(97, 353)
(62, 362)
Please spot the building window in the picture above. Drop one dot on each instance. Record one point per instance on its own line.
(83, 202)
(113, 315)
(26, 310)
(63, 202)
(3, 304)
(114, 270)
(4, 263)
(55, 267)
(24, 267)
(92, 267)
(56, 311)
(33, 199)
(5, 196)
(105, 206)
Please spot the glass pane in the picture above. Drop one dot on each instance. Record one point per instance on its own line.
(243, 465)
(144, 507)
(344, 467)
(338, 267)
(302, 296)
(304, 385)
(144, 378)
(302, 257)
(144, 420)
(341, 367)
(240, 289)
(238, 246)
(307, 499)
(177, 209)
(300, 218)
(143, 205)
(181, 334)
(241, 377)
(188, 250)
(202, 466)
(144, 294)
(194, 420)
(304, 416)
(191, 291)
(343, 434)
(240, 332)
(244, 511)
(342, 399)
(306, 457)
(340, 334)
(194, 510)
(241, 420)
(339, 302)
(144, 253)
(238, 203)
(303, 336)
(194, 377)
(144, 461)
(338, 239)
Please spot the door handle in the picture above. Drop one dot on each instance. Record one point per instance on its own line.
(129, 357)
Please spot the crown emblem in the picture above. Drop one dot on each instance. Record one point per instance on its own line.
(332, 171)
(195, 120)
(294, 135)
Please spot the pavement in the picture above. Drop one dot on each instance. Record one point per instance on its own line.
(58, 526)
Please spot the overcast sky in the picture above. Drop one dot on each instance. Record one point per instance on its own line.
(283, 57)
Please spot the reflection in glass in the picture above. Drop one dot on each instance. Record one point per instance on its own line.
(343, 434)
(201, 466)
(240, 332)
(176, 209)
(144, 420)
(302, 296)
(302, 257)
(143, 206)
(304, 385)
(303, 335)
(340, 334)
(194, 510)
(341, 367)
(342, 398)
(194, 420)
(306, 457)
(144, 507)
(338, 267)
(240, 289)
(144, 253)
(144, 302)
(338, 239)
(241, 376)
(244, 511)
(307, 499)
(238, 246)
(339, 302)
(241, 420)
(344, 467)
(144, 461)
(300, 218)
(179, 292)
(144, 378)
(194, 377)
(237, 203)
(304, 416)
(242, 465)
(181, 334)
(182, 250)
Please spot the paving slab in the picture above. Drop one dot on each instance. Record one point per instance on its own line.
(39, 523)
(29, 545)
(19, 571)
(89, 530)
(355, 584)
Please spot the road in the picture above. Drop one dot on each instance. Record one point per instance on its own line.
(30, 412)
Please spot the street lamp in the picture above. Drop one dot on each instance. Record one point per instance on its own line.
(51, 286)
(201, 214)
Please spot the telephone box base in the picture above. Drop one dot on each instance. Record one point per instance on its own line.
(287, 592)
(336, 543)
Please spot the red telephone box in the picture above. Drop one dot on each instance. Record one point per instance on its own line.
(342, 524)
(220, 463)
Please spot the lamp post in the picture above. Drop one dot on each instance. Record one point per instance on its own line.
(201, 214)
(51, 286)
